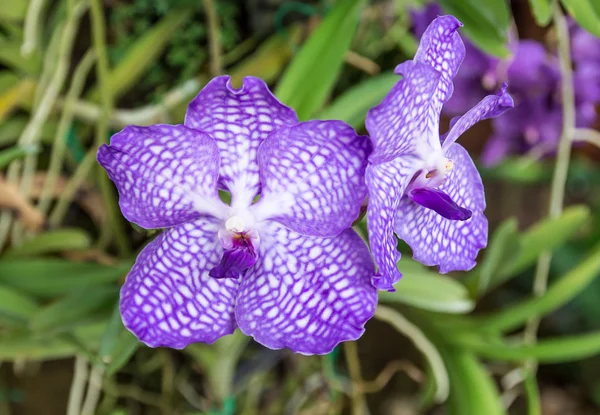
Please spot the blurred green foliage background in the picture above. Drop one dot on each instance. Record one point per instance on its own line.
(72, 72)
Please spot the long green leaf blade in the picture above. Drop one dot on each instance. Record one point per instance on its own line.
(352, 105)
(585, 14)
(542, 12)
(311, 76)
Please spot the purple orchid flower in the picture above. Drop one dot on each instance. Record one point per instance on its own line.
(287, 269)
(424, 188)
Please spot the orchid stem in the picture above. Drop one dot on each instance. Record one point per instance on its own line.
(94, 389)
(561, 168)
(106, 98)
(587, 135)
(216, 55)
(77, 179)
(60, 142)
(77, 386)
(358, 397)
(30, 35)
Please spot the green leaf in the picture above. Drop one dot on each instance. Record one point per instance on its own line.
(270, 58)
(219, 361)
(486, 26)
(14, 10)
(14, 304)
(7, 80)
(503, 249)
(31, 347)
(472, 391)
(584, 13)
(124, 350)
(11, 129)
(117, 344)
(109, 339)
(352, 105)
(559, 350)
(14, 153)
(52, 277)
(313, 72)
(75, 308)
(421, 342)
(546, 235)
(426, 289)
(10, 55)
(519, 170)
(542, 12)
(15, 96)
(559, 293)
(51, 242)
(146, 50)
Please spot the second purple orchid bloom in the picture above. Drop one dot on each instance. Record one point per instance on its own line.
(423, 187)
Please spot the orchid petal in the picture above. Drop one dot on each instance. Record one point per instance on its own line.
(165, 174)
(307, 293)
(440, 203)
(386, 183)
(169, 299)
(442, 48)
(312, 176)
(435, 240)
(398, 125)
(239, 120)
(489, 107)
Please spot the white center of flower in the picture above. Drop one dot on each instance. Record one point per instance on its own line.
(449, 165)
(433, 171)
(235, 224)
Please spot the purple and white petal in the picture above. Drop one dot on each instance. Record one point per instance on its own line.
(169, 299)
(489, 107)
(449, 244)
(442, 48)
(307, 293)
(400, 124)
(165, 174)
(239, 120)
(386, 183)
(312, 177)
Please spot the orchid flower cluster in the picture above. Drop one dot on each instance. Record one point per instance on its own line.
(534, 77)
(281, 262)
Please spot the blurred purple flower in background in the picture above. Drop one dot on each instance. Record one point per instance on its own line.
(534, 78)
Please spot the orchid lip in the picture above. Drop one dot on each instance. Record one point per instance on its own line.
(439, 202)
(239, 255)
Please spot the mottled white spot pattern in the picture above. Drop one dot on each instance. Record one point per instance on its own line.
(239, 120)
(386, 183)
(435, 240)
(399, 126)
(441, 48)
(164, 173)
(309, 305)
(312, 176)
(167, 176)
(169, 299)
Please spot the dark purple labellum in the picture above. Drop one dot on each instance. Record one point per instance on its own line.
(237, 260)
(439, 202)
